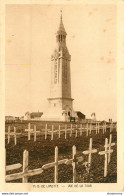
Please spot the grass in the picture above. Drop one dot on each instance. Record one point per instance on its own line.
(42, 152)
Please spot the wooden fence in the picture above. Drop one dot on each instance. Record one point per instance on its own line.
(73, 129)
(25, 174)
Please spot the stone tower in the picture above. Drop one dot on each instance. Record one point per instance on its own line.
(60, 101)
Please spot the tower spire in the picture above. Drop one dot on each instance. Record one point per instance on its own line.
(61, 26)
(61, 15)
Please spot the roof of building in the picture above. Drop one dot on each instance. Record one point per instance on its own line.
(27, 113)
(80, 114)
(36, 114)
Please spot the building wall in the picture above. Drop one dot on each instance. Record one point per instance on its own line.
(66, 79)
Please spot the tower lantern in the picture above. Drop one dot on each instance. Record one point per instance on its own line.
(61, 33)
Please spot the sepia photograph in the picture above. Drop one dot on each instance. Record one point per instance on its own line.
(61, 108)
(60, 93)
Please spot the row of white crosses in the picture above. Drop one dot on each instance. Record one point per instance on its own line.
(12, 134)
(98, 127)
(89, 152)
(59, 131)
(71, 129)
(88, 129)
(31, 131)
(26, 173)
(107, 153)
(64, 130)
(74, 161)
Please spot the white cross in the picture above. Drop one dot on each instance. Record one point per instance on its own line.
(89, 152)
(28, 173)
(87, 129)
(73, 162)
(110, 144)
(97, 127)
(90, 127)
(76, 129)
(104, 127)
(52, 132)
(29, 130)
(106, 152)
(65, 131)
(71, 130)
(8, 133)
(35, 132)
(115, 126)
(12, 134)
(46, 131)
(81, 128)
(111, 127)
(55, 165)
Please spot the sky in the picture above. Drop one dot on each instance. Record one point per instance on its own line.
(91, 41)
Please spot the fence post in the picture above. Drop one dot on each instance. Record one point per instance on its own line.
(56, 165)
(74, 163)
(8, 134)
(46, 131)
(15, 135)
(25, 165)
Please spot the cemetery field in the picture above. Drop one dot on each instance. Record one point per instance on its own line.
(43, 151)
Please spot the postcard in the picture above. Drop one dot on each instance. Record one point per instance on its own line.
(62, 96)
